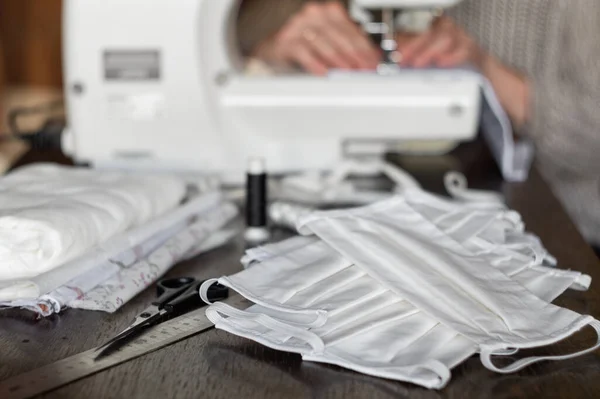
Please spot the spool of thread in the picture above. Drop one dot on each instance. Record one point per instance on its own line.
(256, 201)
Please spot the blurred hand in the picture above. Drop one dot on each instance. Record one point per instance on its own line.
(320, 37)
(444, 45)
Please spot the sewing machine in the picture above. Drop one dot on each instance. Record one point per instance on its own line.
(154, 84)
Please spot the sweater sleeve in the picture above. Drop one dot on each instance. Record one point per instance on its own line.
(259, 19)
(564, 118)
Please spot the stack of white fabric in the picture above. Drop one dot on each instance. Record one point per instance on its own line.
(77, 237)
(406, 289)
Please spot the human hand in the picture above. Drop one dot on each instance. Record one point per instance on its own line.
(444, 45)
(447, 45)
(320, 37)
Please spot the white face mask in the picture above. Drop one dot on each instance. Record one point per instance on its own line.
(477, 220)
(413, 258)
(353, 301)
(353, 344)
(545, 282)
(481, 226)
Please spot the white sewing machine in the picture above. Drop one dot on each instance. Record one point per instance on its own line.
(161, 85)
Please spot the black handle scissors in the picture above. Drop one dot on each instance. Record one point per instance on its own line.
(176, 296)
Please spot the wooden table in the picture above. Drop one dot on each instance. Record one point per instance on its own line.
(216, 364)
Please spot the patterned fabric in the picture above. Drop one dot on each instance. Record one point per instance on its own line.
(201, 236)
(554, 43)
(107, 288)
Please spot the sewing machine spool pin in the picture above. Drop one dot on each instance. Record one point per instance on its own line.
(389, 45)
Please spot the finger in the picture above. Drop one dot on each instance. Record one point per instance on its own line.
(363, 52)
(435, 48)
(413, 44)
(414, 47)
(339, 41)
(303, 55)
(329, 51)
(459, 54)
(331, 36)
(350, 37)
(338, 15)
(455, 58)
(345, 43)
(313, 27)
(312, 16)
(404, 39)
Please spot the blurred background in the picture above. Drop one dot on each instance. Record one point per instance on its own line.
(30, 62)
(30, 32)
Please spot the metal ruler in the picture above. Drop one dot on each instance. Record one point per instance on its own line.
(76, 367)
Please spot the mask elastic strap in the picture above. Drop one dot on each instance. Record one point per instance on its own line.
(320, 316)
(215, 312)
(440, 369)
(510, 251)
(456, 185)
(203, 291)
(487, 353)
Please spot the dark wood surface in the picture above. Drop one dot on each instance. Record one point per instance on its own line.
(216, 364)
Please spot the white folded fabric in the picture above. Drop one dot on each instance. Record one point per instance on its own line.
(50, 214)
(111, 284)
(104, 260)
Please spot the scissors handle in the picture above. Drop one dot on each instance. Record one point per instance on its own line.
(171, 289)
(179, 294)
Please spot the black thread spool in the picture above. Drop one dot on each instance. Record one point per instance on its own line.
(256, 202)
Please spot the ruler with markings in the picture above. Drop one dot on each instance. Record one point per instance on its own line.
(81, 365)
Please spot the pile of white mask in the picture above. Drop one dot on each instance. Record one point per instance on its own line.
(406, 288)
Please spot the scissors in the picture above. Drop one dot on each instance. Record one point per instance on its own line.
(175, 296)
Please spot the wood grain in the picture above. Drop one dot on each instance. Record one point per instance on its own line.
(216, 364)
(32, 38)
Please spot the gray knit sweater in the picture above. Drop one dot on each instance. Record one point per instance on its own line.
(556, 43)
